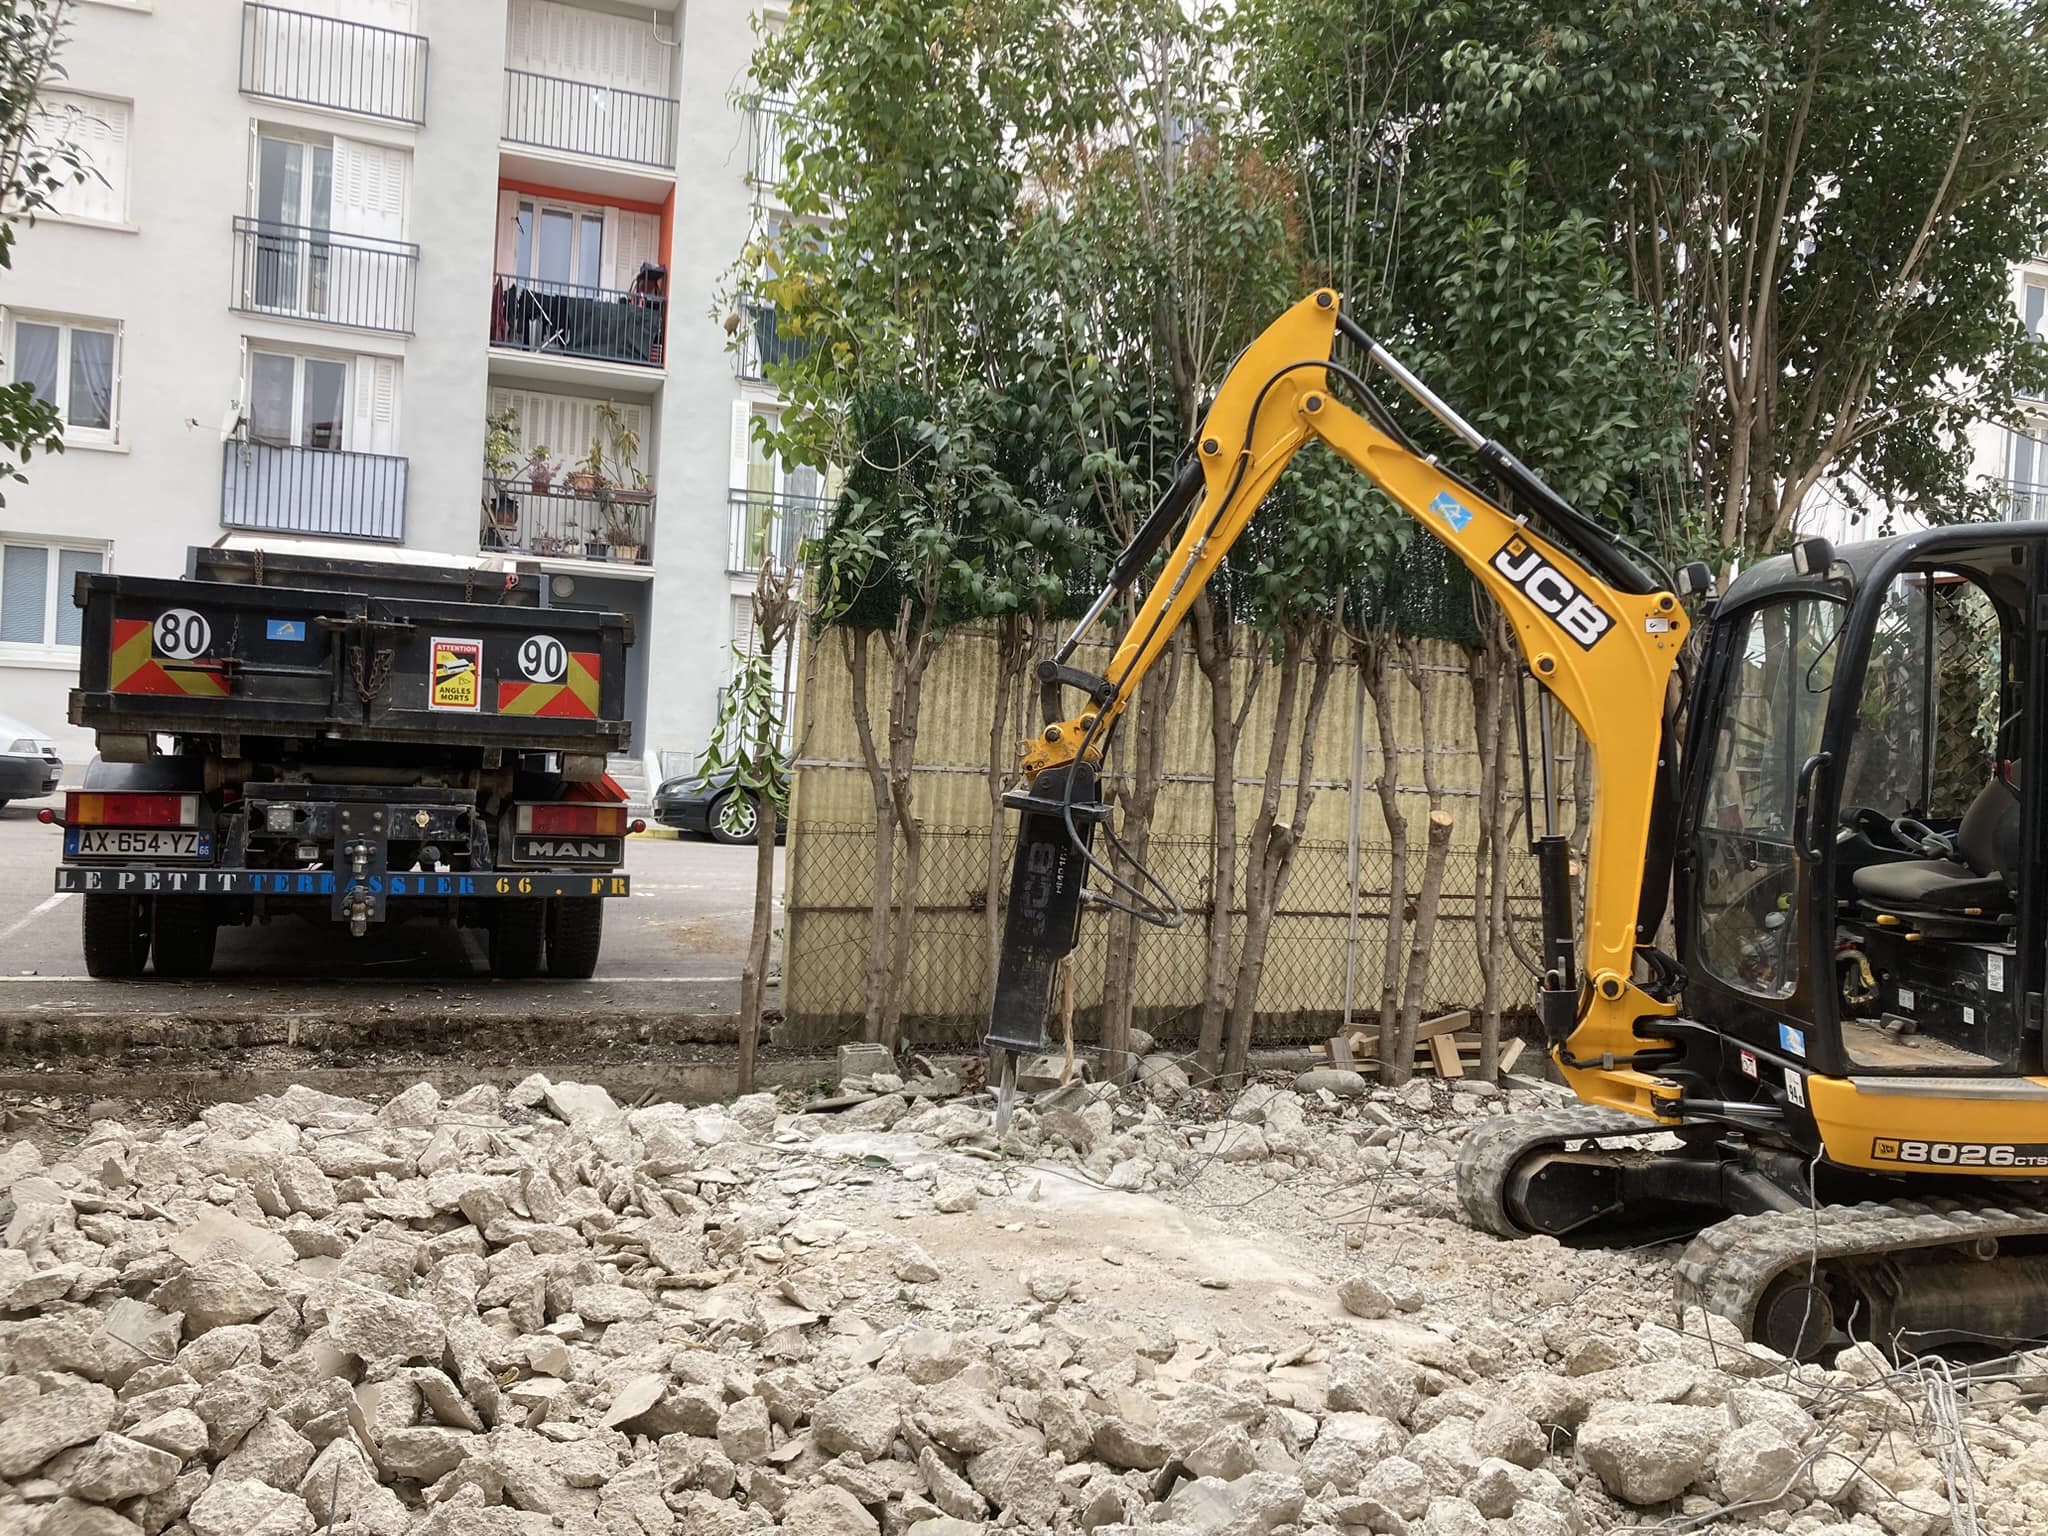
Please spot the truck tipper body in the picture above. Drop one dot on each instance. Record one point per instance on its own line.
(350, 742)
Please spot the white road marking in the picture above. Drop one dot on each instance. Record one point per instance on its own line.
(35, 912)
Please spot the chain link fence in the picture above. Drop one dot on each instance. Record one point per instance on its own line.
(1302, 996)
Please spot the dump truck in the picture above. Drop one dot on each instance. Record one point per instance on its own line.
(347, 741)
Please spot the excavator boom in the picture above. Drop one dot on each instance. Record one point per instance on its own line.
(1600, 637)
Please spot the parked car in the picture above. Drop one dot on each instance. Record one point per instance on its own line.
(29, 764)
(715, 806)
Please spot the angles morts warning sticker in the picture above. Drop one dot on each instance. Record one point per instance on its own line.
(174, 667)
(457, 681)
(574, 698)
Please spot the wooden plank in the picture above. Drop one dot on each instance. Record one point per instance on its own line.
(1445, 1055)
(1448, 1024)
(1510, 1053)
(1340, 1052)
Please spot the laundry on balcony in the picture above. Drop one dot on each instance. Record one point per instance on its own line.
(610, 325)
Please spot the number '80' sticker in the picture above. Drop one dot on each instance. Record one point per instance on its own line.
(543, 659)
(181, 634)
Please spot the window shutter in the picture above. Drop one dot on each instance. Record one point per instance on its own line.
(369, 189)
(743, 635)
(98, 129)
(373, 424)
(742, 444)
(629, 239)
(508, 231)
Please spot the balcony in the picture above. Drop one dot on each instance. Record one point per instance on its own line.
(357, 281)
(774, 119)
(771, 521)
(569, 522)
(348, 66)
(2023, 501)
(571, 116)
(270, 488)
(761, 343)
(605, 325)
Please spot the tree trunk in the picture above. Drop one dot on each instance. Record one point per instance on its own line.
(1269, 855)
(754, 974)
(910, 651)
(1375, 661)
(1415, 983)
(1138, 803)
(1491, 669)
(1214, 654)
(882, 890)
(1415, 988)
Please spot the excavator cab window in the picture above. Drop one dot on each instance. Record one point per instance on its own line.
(1927, 856)
(1773, 711)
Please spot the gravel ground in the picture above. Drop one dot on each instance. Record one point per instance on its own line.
(536, 1310)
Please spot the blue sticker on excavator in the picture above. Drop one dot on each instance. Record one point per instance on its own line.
(1451, 510)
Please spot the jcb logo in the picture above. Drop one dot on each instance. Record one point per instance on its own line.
(1552, 591)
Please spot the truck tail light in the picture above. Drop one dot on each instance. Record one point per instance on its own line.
(573, 820)
(130, 810)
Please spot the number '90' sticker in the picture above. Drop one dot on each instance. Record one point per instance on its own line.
(543, 659)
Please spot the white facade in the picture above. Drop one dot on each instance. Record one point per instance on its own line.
(324, 239)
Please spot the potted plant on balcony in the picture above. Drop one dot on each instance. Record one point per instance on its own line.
(501, 459)
(540, 471)
(603, 474)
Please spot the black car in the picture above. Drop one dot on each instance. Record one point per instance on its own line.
(29, 764)
(714, 805)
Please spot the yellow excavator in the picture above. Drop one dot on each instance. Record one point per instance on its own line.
(1845, 1052)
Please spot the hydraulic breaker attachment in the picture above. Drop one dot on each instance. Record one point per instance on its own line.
(1047, 872)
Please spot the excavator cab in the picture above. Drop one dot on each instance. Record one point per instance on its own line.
(1854, 836)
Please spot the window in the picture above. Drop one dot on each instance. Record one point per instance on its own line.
(1776, 700)
(2034, 307)
(35, 590)
(75, 365)
(306, 400)
(297, 402)
(95, 128)
(571, 245)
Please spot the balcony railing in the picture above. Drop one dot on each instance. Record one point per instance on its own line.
(774, 120)
(762, 343)
(771, 522)
(271, 488)
(569, 522)
(358, 281)
(607, 324)
(2023, 501)
(583, 119)
(319, 61)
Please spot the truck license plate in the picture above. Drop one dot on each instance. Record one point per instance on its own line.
(115, 843)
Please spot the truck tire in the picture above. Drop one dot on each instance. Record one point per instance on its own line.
(519, 938)
(575, 930)
(186, 928)
(116, 934)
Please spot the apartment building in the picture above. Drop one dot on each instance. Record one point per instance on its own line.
(378, 278)
(2013, 454)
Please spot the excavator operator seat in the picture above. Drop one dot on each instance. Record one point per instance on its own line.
(1977, 880)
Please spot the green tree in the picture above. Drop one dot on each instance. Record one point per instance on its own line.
(36, 162)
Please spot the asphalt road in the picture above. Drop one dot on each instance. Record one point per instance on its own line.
(674, 946)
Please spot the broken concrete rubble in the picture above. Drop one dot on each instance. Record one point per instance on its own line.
(540, 1311)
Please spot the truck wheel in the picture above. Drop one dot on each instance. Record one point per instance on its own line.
(734, 817)
(519, 938)
(186, 928)
(575, 929)
(116, 934)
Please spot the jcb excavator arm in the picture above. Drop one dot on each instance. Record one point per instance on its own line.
(1600, 637)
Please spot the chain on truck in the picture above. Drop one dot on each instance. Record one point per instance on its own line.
(344, 741)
